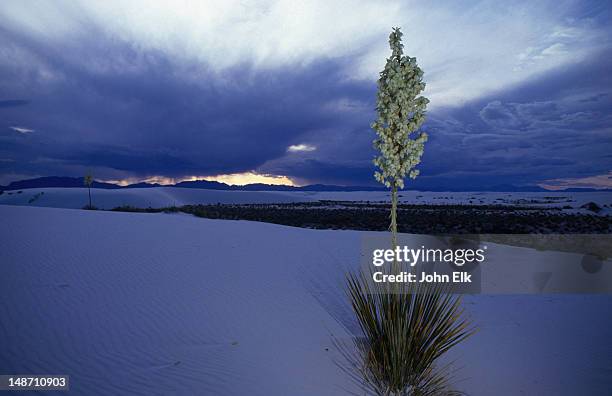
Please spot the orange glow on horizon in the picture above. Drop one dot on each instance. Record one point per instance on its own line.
(235, 179)
(240, 179)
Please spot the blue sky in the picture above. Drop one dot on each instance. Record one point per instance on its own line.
(520, 92)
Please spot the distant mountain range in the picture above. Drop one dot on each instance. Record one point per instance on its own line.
(68, 182)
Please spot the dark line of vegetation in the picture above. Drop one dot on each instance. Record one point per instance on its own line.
(421, 219)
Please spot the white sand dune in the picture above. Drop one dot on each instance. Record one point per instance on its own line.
(160, 304)
(156, 197)
(570, 202)
(167, 196)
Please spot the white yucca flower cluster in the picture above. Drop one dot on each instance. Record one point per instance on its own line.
(401, 112)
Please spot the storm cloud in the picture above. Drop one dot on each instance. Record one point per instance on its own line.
(98, 92)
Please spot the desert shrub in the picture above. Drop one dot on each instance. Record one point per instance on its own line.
(405, 329)
(35, 197)
(592, 206)
(134, 209)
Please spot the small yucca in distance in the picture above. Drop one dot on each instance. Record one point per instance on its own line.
(88, 181)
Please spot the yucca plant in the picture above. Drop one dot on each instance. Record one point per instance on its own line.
(88, 181)
(405, 327)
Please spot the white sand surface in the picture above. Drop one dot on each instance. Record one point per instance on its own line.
(171, 304)
(167, 196)
(531, 199)
(156, 197)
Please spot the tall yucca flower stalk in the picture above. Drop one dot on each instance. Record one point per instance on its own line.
(405, 327)
(401, 112)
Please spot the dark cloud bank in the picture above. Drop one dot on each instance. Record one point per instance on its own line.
(123, 111)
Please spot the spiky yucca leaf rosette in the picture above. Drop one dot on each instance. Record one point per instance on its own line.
(405, 329)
